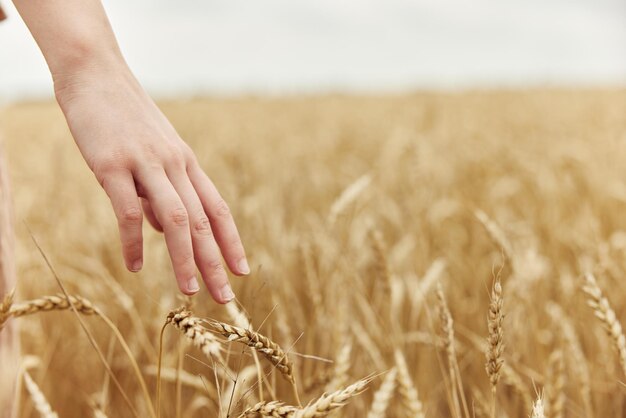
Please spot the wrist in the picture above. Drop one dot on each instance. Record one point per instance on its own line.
(91, 75)
(85, 64)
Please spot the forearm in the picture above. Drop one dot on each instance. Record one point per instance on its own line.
(74, 36)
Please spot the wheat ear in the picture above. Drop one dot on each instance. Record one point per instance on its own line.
(341, 369)
(408, 393)
(495, 341)
(52, 303)
(39, 400)
(383, 395)
(262, 344)
(330, 402)
(5, 308)
(258, 342)
(538, 409)
(192, 328)
(496, 233)
(271, 409)
(605, 313)
(99, 413)
(348, 196)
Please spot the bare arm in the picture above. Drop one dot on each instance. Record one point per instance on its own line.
(131, 147)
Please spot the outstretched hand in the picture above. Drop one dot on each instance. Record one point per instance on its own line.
(147, 169)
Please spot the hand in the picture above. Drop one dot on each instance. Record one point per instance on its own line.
(137, 156)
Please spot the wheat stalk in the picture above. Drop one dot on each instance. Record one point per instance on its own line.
(383, 395)
(39, 399)
(576, 358)
(447, 330)
(605, 313)
(480, 405)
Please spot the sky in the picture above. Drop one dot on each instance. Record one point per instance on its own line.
(194, 47)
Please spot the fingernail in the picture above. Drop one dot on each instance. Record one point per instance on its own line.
(243, 266)
(192, 285)
(137, 265)
(227, 293)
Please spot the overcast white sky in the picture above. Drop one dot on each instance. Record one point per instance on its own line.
(287, 46)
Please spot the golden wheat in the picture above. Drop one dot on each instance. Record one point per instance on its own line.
(604, 312)
(308, 180)
(259, 343)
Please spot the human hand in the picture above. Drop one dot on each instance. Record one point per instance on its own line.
(136, 155)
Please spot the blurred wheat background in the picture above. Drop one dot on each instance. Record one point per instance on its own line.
(363, 217)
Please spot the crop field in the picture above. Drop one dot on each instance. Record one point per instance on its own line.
(422, 255)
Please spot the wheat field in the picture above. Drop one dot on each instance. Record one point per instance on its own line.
(422, 255)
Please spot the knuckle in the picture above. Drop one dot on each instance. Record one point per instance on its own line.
(178, 217)
(187, 258)
(175, 158)
(221, 209)
(216, 268)
(131, 215)
(202, 226)
(103, 175)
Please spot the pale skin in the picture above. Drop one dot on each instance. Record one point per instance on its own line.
(143, 165)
